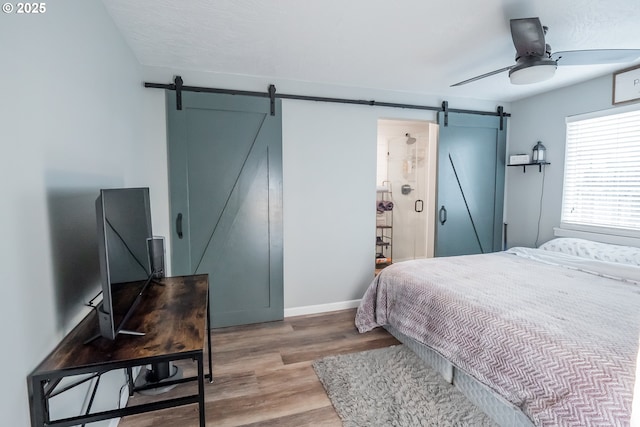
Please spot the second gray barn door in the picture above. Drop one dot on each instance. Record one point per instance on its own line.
(471, 163)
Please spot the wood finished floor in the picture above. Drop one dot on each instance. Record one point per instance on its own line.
(263, 374)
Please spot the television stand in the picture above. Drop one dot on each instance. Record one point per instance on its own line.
(175, 317)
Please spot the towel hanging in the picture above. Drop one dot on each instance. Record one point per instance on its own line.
(384, 205)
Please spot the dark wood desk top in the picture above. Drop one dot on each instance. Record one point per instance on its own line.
(172, 316)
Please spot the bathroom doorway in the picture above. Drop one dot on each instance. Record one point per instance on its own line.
(406, 190)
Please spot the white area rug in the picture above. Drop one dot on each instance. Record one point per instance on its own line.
(392, 387)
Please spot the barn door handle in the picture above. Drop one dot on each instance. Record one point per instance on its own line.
(442, 215)
(179, 225)
(415, 205)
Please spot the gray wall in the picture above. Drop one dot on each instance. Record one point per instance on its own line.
(542, 118)
(71, 123)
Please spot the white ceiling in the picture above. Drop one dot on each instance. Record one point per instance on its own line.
(416, 46)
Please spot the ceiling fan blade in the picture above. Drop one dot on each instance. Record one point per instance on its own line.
(482, 76)
(528, 37)
(596, 56)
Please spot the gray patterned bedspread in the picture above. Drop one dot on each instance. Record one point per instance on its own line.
(558, 342)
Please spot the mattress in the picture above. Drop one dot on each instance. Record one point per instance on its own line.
(551, 333)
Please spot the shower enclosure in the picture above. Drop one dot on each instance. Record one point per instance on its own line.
(406, 169)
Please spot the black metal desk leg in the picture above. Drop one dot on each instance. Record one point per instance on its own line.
(130, 380)
(209, 338)
(200, 361)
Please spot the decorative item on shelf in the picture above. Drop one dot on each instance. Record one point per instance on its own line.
(519, 159)
(539, 153)
(539, 158)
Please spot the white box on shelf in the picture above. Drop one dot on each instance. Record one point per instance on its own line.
(519, 159)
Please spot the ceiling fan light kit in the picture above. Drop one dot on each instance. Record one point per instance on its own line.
(528, 72)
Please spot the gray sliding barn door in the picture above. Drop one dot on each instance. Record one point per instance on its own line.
(225, 173)
(471, 163)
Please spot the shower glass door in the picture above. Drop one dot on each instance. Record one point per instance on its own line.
(406, 172)
(407, 164)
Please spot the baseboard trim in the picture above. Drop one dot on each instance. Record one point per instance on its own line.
(321, 308)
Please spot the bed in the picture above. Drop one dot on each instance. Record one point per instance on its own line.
(542, 337)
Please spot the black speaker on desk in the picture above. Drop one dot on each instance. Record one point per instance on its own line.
(152, 378)
(155, 248)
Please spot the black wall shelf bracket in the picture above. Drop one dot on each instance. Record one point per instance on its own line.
(524, 166)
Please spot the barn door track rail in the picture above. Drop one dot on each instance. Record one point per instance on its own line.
(179, 87)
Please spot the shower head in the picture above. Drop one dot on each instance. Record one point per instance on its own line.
(410, 139)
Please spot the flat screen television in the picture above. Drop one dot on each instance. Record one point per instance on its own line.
(124, 229)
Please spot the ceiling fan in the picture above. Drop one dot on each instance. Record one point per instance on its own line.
(536, 63)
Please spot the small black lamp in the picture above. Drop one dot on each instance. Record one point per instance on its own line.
(539, 153)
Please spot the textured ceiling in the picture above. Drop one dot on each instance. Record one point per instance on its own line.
(405, 45)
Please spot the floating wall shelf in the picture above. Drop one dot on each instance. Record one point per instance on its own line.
(524, 165)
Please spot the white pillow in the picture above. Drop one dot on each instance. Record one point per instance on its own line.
(594, 250)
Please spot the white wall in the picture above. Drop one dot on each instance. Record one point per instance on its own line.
(542, 118)
(329, 164)
(70, 123)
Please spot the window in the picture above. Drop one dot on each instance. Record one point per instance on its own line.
(601, 190)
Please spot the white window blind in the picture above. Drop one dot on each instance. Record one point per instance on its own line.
(602, 173)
